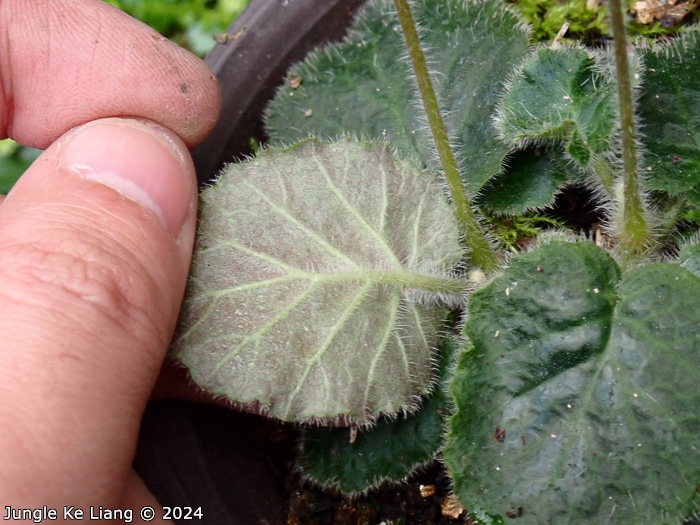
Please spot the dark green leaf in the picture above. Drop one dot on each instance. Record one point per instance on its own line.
(591, 378)
(670, 111)
(364, 87)
(558, 96)
(531, 181)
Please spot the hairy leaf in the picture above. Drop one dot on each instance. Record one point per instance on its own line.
(670, 111)
(532, 180)
(390, 450)
(364, 86)
(689, 257)
(557, 95)
(314, 281)
(579, 401)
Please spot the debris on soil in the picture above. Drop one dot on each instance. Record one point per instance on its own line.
(425, 499)
(669, 12)
(451, 507)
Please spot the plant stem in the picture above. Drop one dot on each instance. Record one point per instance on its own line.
(481, 253)
(634, 236)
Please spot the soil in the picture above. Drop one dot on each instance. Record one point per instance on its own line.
(425, 498)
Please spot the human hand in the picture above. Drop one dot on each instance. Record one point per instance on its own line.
(95, 243)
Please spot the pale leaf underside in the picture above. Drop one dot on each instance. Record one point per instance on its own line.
(307, 287)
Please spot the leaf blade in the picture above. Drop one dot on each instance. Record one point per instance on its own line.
(558, 96)
(363, 87)
(667, 107)
(308, 270)
(584, 396)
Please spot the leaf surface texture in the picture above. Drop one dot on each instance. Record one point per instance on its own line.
(310, 290)
(364, 87)
(591, 378)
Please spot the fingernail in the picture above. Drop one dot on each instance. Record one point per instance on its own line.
(140, 159)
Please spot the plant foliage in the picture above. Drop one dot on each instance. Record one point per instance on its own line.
(668, 108)
(323, 272)
(14, 160)
(190, 23)
(390, 450)
(317, 266)
(365, 87)
(574, 362)
(567, 101)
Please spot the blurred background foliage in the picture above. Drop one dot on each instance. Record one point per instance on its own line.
(189, 23)
(193, 23)
(14, 159)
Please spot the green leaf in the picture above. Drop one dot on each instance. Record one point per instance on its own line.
(11, 169)
(364, 86)
(693, 196)
(531, 182)
(14, 161)
(669, 111)
(689, 257)
(388, 451)
(558, 96)
(314, 282)
(591, 380)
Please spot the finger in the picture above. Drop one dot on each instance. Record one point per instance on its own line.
(91, 280)
(67, 62)
(138, 498)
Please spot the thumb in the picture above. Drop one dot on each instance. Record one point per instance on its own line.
(95, 244)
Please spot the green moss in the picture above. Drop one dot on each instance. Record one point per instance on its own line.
(514, 231)
(588, 25)
(548, 16)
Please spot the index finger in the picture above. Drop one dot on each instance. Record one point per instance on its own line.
(67, 62)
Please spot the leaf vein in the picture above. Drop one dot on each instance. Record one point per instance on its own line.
(316, 358)
(311, 234)
(358, 217)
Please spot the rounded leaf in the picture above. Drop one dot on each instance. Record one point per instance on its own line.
(579, 401)
(557, 95)
(314, 282)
